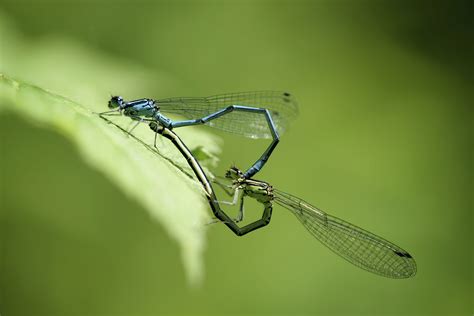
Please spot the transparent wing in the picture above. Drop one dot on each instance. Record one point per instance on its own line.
(282, 106)
(354, 244)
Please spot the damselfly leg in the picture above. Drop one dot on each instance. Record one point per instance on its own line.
(358, 246)
(260, 114)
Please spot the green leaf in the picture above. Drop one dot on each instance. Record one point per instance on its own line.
(171, 196)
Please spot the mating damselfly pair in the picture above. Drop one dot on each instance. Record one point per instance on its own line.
(261, 114)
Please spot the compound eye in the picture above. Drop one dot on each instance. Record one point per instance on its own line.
(115, 102)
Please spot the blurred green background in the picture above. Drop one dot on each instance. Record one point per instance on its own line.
(383, 140)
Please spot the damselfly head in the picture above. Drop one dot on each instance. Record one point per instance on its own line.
(116, 102)
(234, 173)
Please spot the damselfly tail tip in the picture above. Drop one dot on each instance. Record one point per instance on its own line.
(234, 173)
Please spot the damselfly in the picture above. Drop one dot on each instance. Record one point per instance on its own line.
(259, 114)
(197, 169)
(356, 245)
